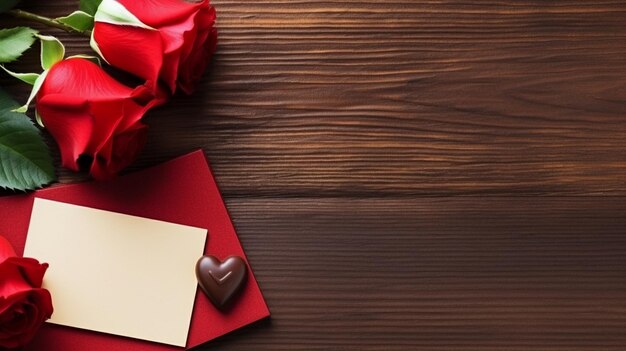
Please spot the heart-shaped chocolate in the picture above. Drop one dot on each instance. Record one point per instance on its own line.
(220, 281)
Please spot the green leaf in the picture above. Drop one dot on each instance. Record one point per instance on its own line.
(28, 78)
(78, 20)
(6, 5)
(25, 161)
(94, 59)
(52, 51)
(36, 86)
(14, 41)
(38, 119)
(89, 6)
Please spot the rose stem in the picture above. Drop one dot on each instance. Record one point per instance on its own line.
(46, 21)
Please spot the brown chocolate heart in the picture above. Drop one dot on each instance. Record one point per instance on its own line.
(220, 281)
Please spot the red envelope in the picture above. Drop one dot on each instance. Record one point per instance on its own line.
(180, 191)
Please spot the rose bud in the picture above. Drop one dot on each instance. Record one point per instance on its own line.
(167, 40)
(93, 117)
(24, 305)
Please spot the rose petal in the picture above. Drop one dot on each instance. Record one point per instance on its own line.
(178, 39)
(187, 41)
(32, 271)
(19, 319)
(12, 281)
(70, 124)
(22, 316)
(86, 121)
(132, 49)
(123, 149)
(78, 78)
(157, 13)
(199, 60)
(43, 300)
(109, 114)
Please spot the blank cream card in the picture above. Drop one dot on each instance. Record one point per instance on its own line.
(116, 273)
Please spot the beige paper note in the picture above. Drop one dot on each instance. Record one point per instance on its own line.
(115, 273)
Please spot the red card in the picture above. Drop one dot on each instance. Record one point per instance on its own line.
(180, 191)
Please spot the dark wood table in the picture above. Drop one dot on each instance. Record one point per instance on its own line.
(416, 175)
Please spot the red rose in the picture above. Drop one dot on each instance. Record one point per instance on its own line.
(24, 306)
(93, 117)
(167, 40)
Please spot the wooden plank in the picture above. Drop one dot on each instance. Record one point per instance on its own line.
(312, 98)
(475, 273)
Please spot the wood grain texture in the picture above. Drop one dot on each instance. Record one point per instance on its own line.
(475, 273)
(326, 98)
(382, 161)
